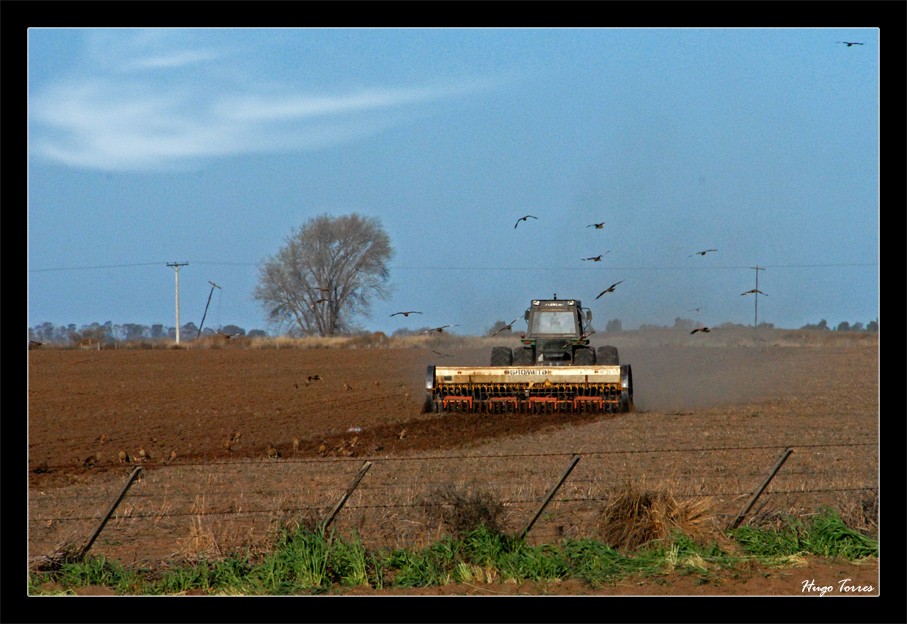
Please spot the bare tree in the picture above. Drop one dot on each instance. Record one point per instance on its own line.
(328, 272)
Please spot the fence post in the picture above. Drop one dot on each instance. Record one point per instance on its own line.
(550, 495)
(771, 476)
(109, 513)
(346, 495)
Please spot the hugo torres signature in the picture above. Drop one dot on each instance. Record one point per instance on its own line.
(843, 586)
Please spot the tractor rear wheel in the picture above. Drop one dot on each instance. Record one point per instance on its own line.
(522, 357)
(608, 356)
(584, 356)
(501, 356)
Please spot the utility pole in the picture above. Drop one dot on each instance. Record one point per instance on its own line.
(176, 267)
(756, 299)
(213, 286)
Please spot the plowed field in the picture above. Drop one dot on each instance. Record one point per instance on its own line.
(711, 419)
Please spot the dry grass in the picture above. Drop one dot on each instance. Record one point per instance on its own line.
(634, 516)
(718, 337)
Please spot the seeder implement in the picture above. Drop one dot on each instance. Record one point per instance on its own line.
(534, 389)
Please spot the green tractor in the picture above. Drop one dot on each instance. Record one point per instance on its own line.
(558, 335)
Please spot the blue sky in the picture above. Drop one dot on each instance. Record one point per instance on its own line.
(208, 146)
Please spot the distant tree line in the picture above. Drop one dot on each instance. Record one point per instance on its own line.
(109, 332)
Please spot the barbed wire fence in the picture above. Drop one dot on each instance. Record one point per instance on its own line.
(209, 509)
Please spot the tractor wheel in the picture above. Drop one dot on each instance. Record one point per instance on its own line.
(584, 356)
(626, 393)
(501, 356)
(608, 356)
(522, 357)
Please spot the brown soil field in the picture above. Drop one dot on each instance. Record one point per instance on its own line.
(712, 417)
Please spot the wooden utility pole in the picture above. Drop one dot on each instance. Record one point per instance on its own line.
(213, 286)
(176, 266)
(756, 298)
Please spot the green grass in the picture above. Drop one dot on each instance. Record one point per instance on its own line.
(305, 561)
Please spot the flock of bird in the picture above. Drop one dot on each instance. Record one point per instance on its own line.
(610, 289)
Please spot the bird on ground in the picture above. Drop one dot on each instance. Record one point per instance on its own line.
(347, 386)
(507, 327)
(295, 445)
(142, 454)
(273, 453)
(851, 43)
(753, 292)
(407, 313)
(597, 226)
(172, 456)
(597, 258)
(312, 378)
(701, 253)
(523, 219)
(228, 445)
(610, 288)
(701, 329)
(438, 329)
(91, 460)
(123, 457)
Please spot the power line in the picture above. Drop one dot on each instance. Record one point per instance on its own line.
(88, 268)
(496, 268)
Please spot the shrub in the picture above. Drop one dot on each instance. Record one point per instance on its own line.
(462, 510)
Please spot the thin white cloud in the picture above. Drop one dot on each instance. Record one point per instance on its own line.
(170, 61)
(140, 125)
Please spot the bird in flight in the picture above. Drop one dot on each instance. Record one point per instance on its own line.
(597, 226)
(439, 354)
(523, 219)
(508, 326)
(610, 288)
(438, 329)
(850, 43)
(701, 253)
(696, 309)
(753, 292)
(407, 313)
(598, 258)
(701, 329)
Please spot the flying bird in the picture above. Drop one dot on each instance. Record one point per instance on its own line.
(523, 219)
(406, 313)
(850, 43)
(701, 329)
(597, 226)
(597, 258)
(438, 329)
(610, 288)
(439, 354)
(507, 327)
(695, 309)
(701, 253)
(752, 292)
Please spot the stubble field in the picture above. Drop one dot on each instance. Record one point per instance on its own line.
(713, 415)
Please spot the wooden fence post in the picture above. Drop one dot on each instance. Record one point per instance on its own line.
(109, 513)
(550, 495)
(346, 495)
(755, 496)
